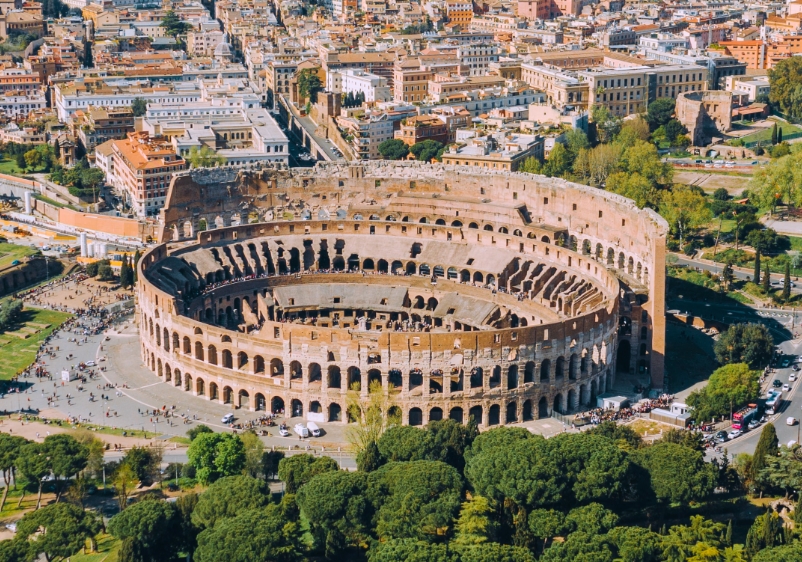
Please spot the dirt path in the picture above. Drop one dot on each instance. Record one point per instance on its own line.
(37, 431)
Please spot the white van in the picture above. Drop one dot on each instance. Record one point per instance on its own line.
(301, 430)
(313, 429)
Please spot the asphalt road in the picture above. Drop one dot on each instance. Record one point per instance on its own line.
(793, 400)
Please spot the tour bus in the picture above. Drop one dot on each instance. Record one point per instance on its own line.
(741, 418)
(774, 402)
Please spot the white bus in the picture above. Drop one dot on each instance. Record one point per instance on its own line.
(774, 402)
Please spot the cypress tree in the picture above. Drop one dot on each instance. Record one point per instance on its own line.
(787, 282)
(767, 279)
(756, 276)
(767, 446)
(774, 134)
(728, 537)
(779, 135)
(135, 262)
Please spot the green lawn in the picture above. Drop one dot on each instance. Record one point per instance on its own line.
(18, 353)
(107, 550)
(9, 167)
(796, 243)
(11, 252)
(765, 134)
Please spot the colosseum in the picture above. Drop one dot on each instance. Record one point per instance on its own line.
(457, 292)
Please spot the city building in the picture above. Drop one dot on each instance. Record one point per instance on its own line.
(420, 128)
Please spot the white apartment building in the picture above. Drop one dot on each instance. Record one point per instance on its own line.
(478, 57)
(13, 105)
(237, 128)
(753, 86)
(368, 132)
(354, 81)
(203, 44)
(71, 96)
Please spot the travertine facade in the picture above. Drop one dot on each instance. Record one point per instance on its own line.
(463, 293)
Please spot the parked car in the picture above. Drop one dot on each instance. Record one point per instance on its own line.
(734, 433)
(792, 376)
(753, 424)
(228, 418)
(283, 431)
(791, 421)
(786, 387)
(777, 383)
(721, 436)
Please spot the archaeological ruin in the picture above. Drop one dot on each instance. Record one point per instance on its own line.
(457, 292)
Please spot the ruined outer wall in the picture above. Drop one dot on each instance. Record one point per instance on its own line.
(605, 223)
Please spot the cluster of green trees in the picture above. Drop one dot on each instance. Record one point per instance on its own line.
(10, 313)
(54, 9)
(173, 26)
(785, 94)
(440, 493)
(743, 350)
(204, 157)
(81, 180)
(424, 151)
(100, 269)
(353, 100)
(31, 156)
(309, 84)
(779, 182)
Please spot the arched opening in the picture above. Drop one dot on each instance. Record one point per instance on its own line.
(478, 277)
(258, 364)
(396, 266)
(494, 415)
(213, 391)
(186, 345)
(315, 407)
(456, 414)
(415, 378)
(374, 376)
(277, 405)
(623, 356)
(545, 370)
(228, 362)
(228, 395)
(488, 227)
(297, 408)
(212, 354)
(573, 365)
(354, 378)
(558, 404)
(410, 269)
(242, 360)
(512, 376)
(475, 413)
(382, 267)
(424, 269)
(276, 368)
(315, 374)
(495, 377)
(543, 408)
(368, 264)
(261, 403)
(394, 379)
(529, 372)
(465, 276)
(559, 369)
(334, 377)
(198, 351)
(244, 399)
(435, 414)
(476, 377)
(610, 257)
(512, 412)
(473, 225)
(527, 410)
(571, 402)
(199, 387)
(296, 371)
(415, 416)
(335, 412)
